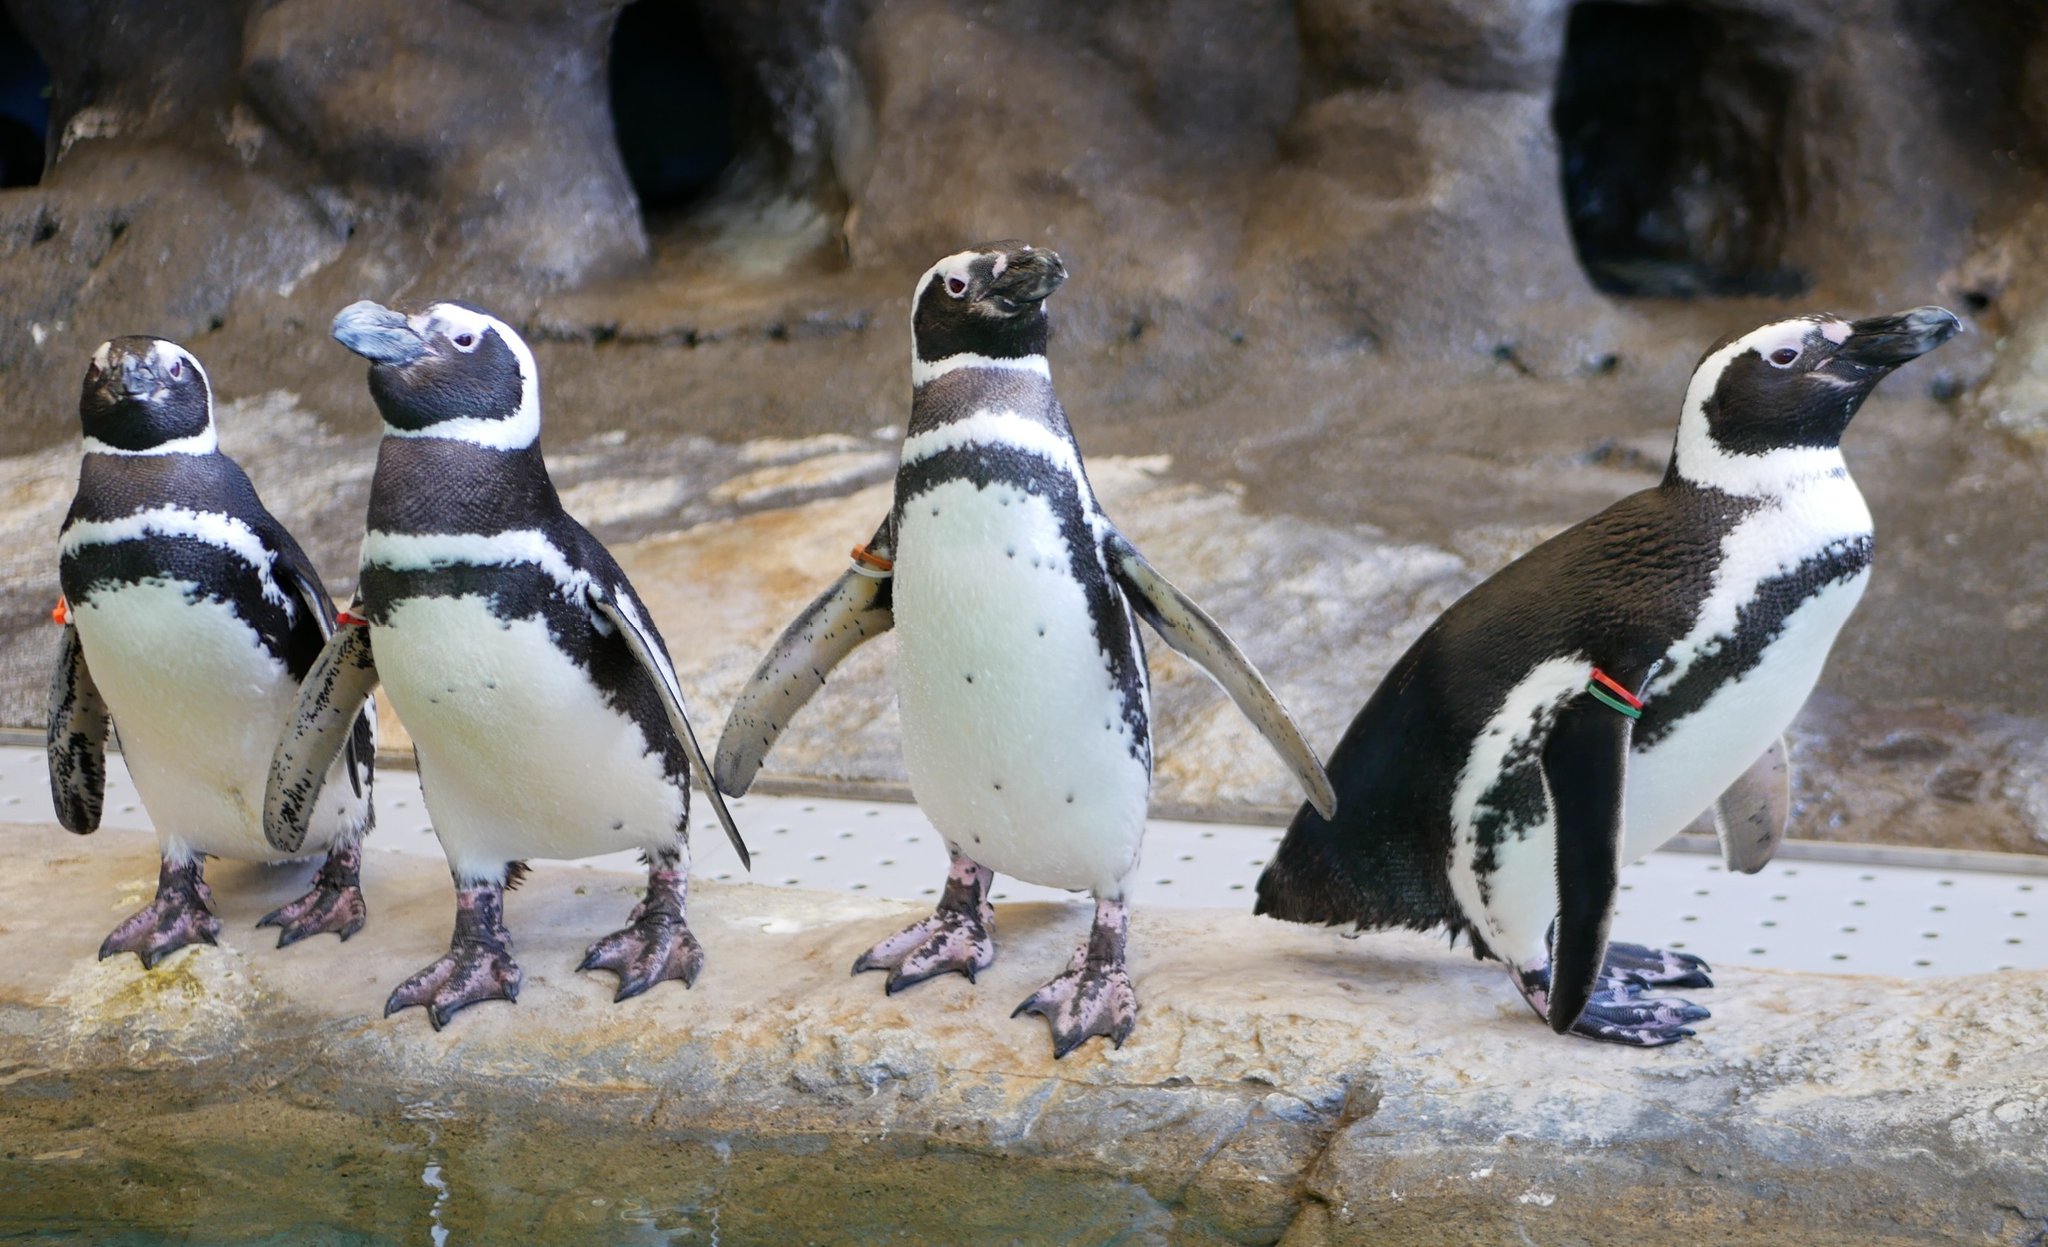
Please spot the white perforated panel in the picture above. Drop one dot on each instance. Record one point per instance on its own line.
(1843, 917)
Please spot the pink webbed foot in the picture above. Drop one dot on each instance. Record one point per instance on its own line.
(958, 937)
(478, 965)
(1094, 995)
(180, 914)
(655, 945)
(334, 902)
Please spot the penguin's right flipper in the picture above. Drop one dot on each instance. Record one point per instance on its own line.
(1190, 631)
(1585, 768)
(857, 608)
(324, 721)
(77, 741)
(1751, 816)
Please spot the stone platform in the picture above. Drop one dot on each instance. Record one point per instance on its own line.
(1283, 1085)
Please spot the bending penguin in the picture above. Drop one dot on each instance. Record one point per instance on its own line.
(189, 617)
(541, 701)
(1588, 701)
(1021, 677)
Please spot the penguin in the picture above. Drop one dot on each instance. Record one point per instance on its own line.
(1590, 700)
(189, 616)
(1021, 674)
(541, 701)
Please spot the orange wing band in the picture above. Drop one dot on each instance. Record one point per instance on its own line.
(863, 555)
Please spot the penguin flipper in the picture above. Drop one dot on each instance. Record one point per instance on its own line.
(857, 608)
(620, 612)
(77, 740)
(303, 582)
(1585, 768)
(1751, 816)
(1191, 632)
(326, 719)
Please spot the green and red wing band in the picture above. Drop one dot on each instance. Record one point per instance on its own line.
(1610, 693)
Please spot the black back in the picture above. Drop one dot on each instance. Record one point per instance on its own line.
(1625, 584)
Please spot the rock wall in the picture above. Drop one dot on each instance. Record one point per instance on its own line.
(1419, 280)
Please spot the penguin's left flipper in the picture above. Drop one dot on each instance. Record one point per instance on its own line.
(1585, 768)
(77, 740)
(327, 718)
(617, 612)
(1751, 816)
(1192, 633)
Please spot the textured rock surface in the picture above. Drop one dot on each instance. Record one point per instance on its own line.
(1283, 1084)
(1326, 289)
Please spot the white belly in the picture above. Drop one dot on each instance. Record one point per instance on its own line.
(1013, 727)
(520, 755)
(199, 705)
(1675, 781)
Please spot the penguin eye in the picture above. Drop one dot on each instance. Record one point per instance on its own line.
(956, 287)
(464, 341)
(177, 369)
(1783, 357)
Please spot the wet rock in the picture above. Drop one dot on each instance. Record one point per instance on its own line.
(1956, 783)
(1909, 747)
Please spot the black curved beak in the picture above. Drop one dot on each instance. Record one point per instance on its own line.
(1029, 276)
(135, 376)
(1888, 341)
(378, 334)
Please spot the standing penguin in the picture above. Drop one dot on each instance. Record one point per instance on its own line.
(189, 617)
(1025, 703)
(1588, 701)
(540, 699)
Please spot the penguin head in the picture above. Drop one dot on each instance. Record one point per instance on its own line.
(1764, 406)
(146, 396)
(987, 301)
(449, 370)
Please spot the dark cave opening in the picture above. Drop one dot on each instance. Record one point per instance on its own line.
(1674, 132)
(672, 105)
(24, 107)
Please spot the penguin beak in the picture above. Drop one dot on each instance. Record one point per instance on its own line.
(1029, 276)
(133, 377)
(378, 334)
(1888, 341)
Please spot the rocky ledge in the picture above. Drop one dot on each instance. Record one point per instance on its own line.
(1284, 1084)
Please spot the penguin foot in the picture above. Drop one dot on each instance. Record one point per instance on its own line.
(1624, 1015)
(478, 965)
(959, 936)
(948, 941)
(334, 903)
(1618, 1011)
(655, 946)
(180, 914)
(1638, 966)
(1094, 996)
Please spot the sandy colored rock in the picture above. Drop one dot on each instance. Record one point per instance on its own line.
(1282, 1081)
